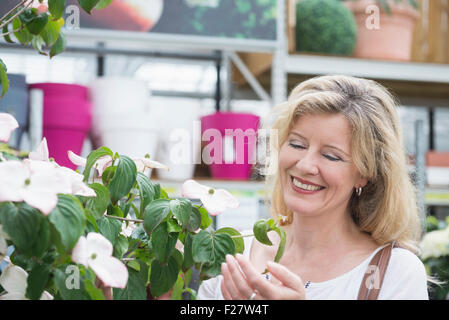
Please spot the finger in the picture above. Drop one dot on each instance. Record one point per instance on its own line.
(229, 283)
(284, 275)
(265, 288)
(238, 278)
(224, 291)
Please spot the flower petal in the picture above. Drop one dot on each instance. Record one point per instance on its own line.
(98, 244)
(194, 190)
(79, 253)
(110, 270)
(46, 296)
(102, 163)
(225, 196)
(41, 152)
(12, 179)
(76, 159)
(7, 125)
(3, 248)
(213, 206)
(143, 163)
(14, 280)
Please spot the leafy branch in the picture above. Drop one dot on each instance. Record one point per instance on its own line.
(39, 27)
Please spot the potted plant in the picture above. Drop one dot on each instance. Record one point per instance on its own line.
(435, 256)
(75, 236)
(384, 28)
(324, 26)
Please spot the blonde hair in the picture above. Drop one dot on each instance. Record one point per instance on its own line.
(387, 207)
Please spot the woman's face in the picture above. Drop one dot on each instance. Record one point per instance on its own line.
(317, 174)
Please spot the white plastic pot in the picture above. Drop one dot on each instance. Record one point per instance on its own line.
(131, 135)
(179, 136)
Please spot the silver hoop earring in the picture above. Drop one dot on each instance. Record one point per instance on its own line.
(359, 191)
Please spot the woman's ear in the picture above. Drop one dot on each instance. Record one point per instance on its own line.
(362, 182)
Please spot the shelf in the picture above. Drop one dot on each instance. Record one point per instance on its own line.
(243, 189)
(366, 68)
(256, 189)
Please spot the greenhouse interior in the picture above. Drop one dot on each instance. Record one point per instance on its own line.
(144, 145)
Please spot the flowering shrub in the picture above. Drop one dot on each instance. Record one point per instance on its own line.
(75, 234)
(435, 255)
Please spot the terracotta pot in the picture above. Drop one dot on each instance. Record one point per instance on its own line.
(392, 40)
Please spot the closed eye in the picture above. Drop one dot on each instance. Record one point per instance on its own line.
(298, 146)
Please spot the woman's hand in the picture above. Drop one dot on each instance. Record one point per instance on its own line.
(241, 283)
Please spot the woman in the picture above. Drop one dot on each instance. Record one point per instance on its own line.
(344, 192)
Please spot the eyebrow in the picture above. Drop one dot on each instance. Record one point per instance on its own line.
(327, 145)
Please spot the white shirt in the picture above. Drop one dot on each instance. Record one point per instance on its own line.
(405, 279)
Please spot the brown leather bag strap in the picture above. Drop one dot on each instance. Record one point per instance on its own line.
(375, 273)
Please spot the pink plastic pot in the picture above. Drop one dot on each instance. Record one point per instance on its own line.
(66, 120)
(231, 140)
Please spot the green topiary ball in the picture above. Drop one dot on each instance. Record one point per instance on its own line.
(325, 26)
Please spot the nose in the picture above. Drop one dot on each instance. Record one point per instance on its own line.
(307, 165)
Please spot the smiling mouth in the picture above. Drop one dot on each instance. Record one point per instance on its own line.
(306, 187)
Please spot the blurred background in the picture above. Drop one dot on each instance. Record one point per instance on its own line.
(137, 71)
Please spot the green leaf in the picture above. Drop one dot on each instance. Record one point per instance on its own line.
(209, 249)
(59, 45)
(163, 242)
(206, 220)
(110, 228)
(26, 226)
(103, 4)
(260, 230)
(136, 286)
(173, 226)
(123, 180)
(56, 8)
(92, 290)
(24, 36)
(50, 34)
(194, 220)
(88, 5)
(34, 21)
(7, 36)
(94, 156)
(188, 262)
(163, 276)
(146, 191)
(262, 227)
(177, 289)
(236, 237)
(155, 213)
(3, 78)
(37, 281)
(120, 246)
(37, 43)
(181, 209)
(98, 205)
(69, 219)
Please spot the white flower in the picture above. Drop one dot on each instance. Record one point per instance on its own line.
(214, 200)
(435, 244)
(95, 251)
(102, 163)
(128, 230)
(41, 152)
(38, 188)
(7, 125)
(3, 244)
(143, 163)
(14, 281)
